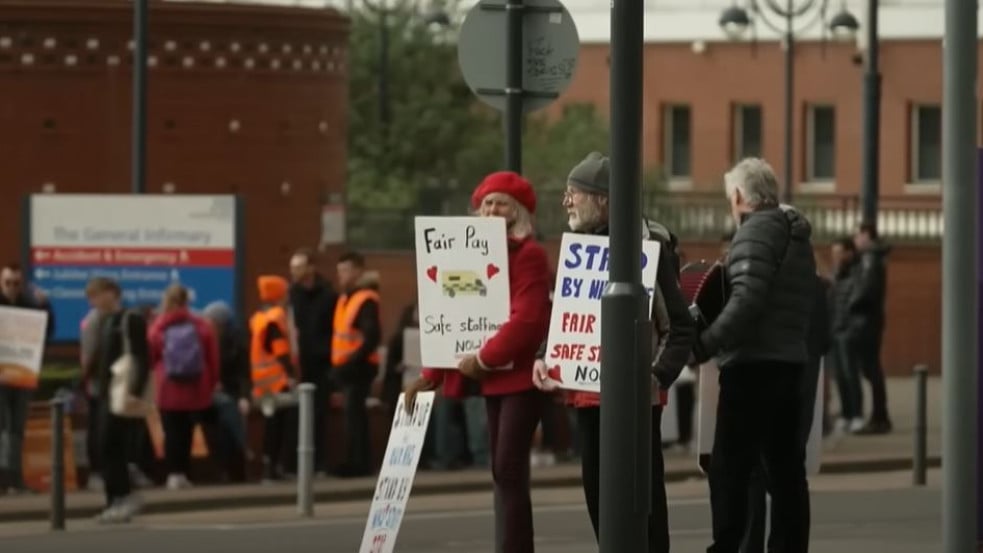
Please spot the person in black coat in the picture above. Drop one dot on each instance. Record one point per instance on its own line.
(15, 401)
(760, 342)
(312, 305)
(869, 304)
(818, 342)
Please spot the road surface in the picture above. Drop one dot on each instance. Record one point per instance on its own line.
(853, 513)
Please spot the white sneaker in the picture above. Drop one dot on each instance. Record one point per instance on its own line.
(131, 505)
(857, 424)
(116, 514)
(138, 478)
(178, 482)
(95, 483)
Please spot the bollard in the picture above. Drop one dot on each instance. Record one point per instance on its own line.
(919, 462)
(58, 463)
(305, 452)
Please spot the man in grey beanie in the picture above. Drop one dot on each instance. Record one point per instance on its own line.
(586, 202)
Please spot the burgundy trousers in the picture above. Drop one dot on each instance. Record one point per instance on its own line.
(512, 421)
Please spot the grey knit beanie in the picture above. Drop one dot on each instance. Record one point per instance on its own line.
(592, 174)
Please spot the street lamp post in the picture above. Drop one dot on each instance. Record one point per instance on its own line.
(872, 119)
(382, 11)
(735, 20)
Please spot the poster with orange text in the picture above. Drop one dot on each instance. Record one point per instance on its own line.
(22, 337)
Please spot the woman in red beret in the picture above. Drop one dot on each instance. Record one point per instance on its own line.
(512, 402)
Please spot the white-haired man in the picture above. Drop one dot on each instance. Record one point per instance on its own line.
(759, 341)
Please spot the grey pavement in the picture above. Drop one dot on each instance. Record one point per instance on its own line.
(851, 513)
(840, 454)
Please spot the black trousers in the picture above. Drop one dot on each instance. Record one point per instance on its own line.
(115, 437)
(758, 424)
(357, 428)
(754, 539)
(276, 438)
(685, 401)
(320, 378)
(589, 427)
(179, 431)
(868, 357)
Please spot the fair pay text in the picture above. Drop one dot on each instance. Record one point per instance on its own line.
(438, 242)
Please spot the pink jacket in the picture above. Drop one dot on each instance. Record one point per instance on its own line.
(174, 395)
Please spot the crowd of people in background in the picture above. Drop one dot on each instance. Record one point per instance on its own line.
(208, 371)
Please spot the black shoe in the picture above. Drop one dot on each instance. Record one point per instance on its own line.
(874, 428)
(347, 471)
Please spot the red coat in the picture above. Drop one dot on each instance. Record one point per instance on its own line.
(184, 396)
(518, 340)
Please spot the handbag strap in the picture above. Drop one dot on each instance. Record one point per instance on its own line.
(124, 329)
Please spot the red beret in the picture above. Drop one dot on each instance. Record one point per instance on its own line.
(505, 182)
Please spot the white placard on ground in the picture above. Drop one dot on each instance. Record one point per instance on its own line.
(707, 410)
(574, 347)
(392, 490)
(22, 337)
(462, 284)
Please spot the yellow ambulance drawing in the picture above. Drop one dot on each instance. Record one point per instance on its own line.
(463, 283)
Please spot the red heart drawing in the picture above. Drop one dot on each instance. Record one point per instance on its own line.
(432, 273)
(492, 270)
(555, 373)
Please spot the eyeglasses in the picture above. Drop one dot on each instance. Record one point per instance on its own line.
(572, 193)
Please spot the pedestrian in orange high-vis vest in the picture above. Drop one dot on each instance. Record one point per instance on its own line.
(355, 355)
(272, 368)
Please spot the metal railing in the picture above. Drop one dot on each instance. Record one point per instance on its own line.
(691, 215)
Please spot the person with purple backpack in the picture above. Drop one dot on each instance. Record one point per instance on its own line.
(185, 360)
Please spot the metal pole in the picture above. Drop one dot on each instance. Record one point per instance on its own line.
(513, 85)
(384, 113)
(959, 287)
(305, 451)
(789, 104)
(626, 334)
(919, 464)
(139, 138)
(872, 119)
(57, 463)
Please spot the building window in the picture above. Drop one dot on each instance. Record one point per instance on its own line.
(746, 122)
(821, 143)
(676, 141)
(926, 143)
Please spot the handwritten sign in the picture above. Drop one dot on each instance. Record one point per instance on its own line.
(574, 346)
(392, 491)
(463, 285)
(22, 336)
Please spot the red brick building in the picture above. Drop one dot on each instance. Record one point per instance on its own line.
(241, 99)
(706, 106)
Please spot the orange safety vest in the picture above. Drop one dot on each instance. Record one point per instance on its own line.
(268, 374)
(346, 338)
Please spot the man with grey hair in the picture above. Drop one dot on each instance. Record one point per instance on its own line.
(586, 202)
(759, 341)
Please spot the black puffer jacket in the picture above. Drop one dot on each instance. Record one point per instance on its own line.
(872, 288)
(772, 270)
(842, 297)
